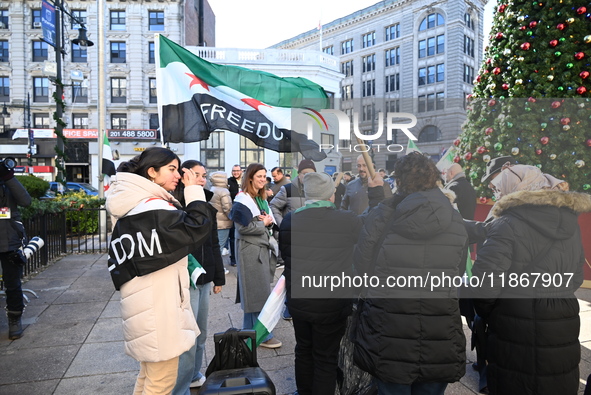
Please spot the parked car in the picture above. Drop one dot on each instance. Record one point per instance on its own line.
(57, 188)
(73, 187)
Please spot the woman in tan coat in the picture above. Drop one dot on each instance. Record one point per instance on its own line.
(222, 202)
(148, 262)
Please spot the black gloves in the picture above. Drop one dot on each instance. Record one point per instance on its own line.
(5, 174)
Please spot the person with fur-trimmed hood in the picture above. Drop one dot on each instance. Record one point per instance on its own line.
(533, 345)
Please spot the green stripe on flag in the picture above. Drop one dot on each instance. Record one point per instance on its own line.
(268, 88)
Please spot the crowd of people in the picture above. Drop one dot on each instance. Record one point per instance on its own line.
(173, 223)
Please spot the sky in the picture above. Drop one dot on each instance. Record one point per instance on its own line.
(261, 23)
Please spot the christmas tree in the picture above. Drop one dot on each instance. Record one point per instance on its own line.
(531, 95)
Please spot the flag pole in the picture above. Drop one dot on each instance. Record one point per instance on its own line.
(101, 93)
(337, 180)
(367, 159)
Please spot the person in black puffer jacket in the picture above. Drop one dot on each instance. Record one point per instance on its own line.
(411, 339)
(533, 346)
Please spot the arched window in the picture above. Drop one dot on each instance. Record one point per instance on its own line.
(431, 21)
(429, 134)
(468, 21)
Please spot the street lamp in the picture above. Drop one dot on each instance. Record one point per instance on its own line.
(82, 41)
(27, 108)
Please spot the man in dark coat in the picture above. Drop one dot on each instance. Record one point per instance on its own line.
(234, 187)
(465, 193)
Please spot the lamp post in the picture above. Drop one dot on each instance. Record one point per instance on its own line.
(82, 41)
(31, 138)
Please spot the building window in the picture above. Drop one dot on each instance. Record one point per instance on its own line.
(4, 89)
(79, 93)
(429, 134)
(118, 90)
(154, 122)
(392, 32)
(393, 106)
(327, 139)
(369, 62)
(118, 121)
(80, 121)
(468, 46)
(422, 48)
(118, 52)
(39, 51)
(36, 19)
(347, 68)
(431, 102)
(440, 101)
(328, 50)
(78, 15)
(347, 92)
(117, 20)
(40, 121)
(250, 153)
(369, 39)
(151, 53)
(4, 51)
(468, 21)
(79, 54)
(422, 76)
(392, 82)
(431, 21)
(40, 89)
(468, 74)
(441, 43)
(392, 56)
(430, 74)
(153, 92)
(369, 88)
(212, 151)
(156, 21)
(347, 47)
(440, 72)
(3, 19)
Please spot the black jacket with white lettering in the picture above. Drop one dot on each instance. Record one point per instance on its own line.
(156, 238)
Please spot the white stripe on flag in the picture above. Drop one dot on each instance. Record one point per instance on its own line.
(271, 312)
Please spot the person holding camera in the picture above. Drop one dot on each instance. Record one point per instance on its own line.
(12, 195)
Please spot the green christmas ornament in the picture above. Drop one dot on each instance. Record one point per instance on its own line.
(562, 39)
(498, 146)
(539, 165)
(586, 187)
(544, 125)
(473, 175)
(569, 65)
(560, 88)
(557, 53)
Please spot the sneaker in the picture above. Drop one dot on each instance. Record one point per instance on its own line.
(198, 383)
(285, 315)
(226, 271)
(271, 343)
(280, 265)
(233, 263)
(225, 252)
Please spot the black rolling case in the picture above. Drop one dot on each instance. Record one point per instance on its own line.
(234, 369)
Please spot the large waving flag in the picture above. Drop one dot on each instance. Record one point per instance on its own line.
(447, 159)
(196, 97)
(271, 312)
(108, 166)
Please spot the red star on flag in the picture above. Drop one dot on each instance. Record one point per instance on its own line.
(254, 103)
(195, 80)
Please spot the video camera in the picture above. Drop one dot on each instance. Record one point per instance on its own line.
(8, 162)
(22, 255)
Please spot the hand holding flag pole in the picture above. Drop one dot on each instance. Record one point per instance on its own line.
(370, 170)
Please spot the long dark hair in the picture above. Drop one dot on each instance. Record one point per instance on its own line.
(247, 186)
(415, 172)
(179, 192)
(155, 157)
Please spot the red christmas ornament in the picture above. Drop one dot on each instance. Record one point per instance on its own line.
(505, 86)
(538, 152)
(469, 97)
(497, 70)
(489, 60)
(488, 131)
(588, 142)
(584, 74)
(581, 90)
(468, 156)
(560, 26)
(525, 46)
(457, 142)
(565, 121)
(579, 55)
(531, 100)
(456, 158)
(581, 10)
(533, 24)
(483, 200)
(522, 27)
(544, 140)
(478, 78)
(556, 104)
(492, 102)
(499, 36)
(553, 43)
(481, 149)
(502, 8)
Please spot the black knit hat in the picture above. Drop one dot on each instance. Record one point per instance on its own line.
(494, 166)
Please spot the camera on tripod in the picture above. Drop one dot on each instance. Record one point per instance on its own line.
(22, 255)
(8, 162)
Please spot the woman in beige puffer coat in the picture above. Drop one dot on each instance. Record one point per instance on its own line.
(222, 202)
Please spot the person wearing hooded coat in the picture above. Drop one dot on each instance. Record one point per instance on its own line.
(533, 345)
(411, 339)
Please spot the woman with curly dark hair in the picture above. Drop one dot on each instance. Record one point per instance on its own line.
(410, 336)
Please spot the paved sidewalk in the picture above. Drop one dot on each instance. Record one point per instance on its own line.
(73, 342)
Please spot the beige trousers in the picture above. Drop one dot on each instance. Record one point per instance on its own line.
(156, 378)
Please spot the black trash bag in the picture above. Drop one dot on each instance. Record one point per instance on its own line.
(232, 352)
(350, 379)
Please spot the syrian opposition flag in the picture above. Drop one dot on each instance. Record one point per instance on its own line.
(271, 312)
(195, 270)
(108, 164)
(447, 159)
(196, 97)
(411, 147)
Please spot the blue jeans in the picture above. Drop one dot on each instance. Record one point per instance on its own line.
(249, 320)
(223, 236)
(190, 362)
(410, 389)
(11, 275)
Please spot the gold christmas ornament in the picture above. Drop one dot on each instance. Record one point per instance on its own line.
(580, 163)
